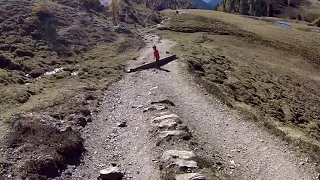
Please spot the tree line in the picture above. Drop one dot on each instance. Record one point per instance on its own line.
(251, 7)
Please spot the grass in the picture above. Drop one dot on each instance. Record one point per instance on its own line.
(257, 68)
(97, 68)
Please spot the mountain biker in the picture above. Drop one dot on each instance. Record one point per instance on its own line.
(156, 56)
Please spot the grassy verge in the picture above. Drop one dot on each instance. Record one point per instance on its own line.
(95, 69)
(252, 67)
(55, 108)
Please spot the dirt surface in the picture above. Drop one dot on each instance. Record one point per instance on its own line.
(247, 151)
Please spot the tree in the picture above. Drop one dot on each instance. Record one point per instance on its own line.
(115, 5)
(228, 5)
(299, 17)
(270, 10)
(244, 7)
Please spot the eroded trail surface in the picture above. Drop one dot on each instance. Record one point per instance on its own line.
(247, 152)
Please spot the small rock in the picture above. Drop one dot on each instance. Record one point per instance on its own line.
(155, 108)
(190, 176)
(122, 124)
(89, 119)
(302, 163)
(113, 164)
(167, 52)
(82, 121)
(111, 173)
(154, 88)
(85, 112)
(68, 173)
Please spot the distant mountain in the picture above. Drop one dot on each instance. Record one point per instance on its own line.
(214, 2)
(200, 4)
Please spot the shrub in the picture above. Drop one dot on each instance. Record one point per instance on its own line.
(44, 9)
(155, 18)
(316, 22)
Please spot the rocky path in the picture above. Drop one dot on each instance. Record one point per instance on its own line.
(150, 141)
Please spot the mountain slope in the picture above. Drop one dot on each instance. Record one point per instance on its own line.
(214, 3)
(200, 4)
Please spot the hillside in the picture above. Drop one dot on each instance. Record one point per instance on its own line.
(306, 10)
(264, 71)
(55, 59)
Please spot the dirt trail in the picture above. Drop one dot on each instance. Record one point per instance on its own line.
(256, 154)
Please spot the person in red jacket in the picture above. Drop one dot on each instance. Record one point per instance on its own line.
(156, 56)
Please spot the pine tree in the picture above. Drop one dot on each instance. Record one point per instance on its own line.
(115, 10)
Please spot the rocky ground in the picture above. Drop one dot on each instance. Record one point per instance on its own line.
(159, 124)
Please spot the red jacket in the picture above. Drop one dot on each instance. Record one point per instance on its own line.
(156, 54)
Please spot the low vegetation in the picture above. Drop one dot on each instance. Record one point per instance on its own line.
(316, 22)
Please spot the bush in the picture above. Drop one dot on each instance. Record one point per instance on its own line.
(316, 22)
(44, 9)
(155, 18)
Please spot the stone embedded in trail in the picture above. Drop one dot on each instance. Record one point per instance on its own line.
(164, 102)
(176, 133)
(168, 123)
(164, 117)
(111, 173)
(155, 107)
(190, 176)
(185, 164)
(122, 124)
(180, 159)
(175, 154)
